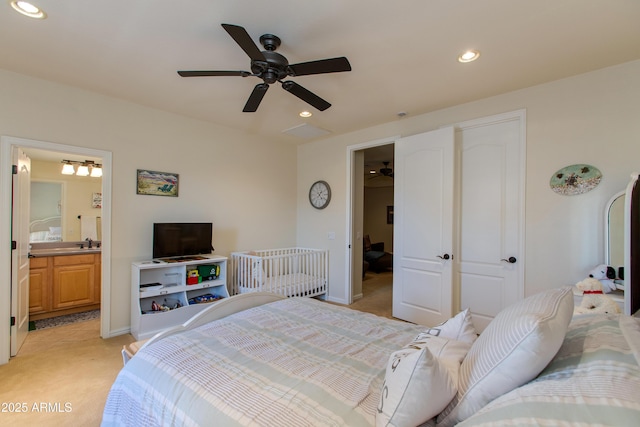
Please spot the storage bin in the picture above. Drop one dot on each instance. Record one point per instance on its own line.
(209, 272)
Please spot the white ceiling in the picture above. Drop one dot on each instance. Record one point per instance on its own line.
(403, 53)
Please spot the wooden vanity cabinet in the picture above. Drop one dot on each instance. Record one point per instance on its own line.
(74, 281)
(39, 286)
(64, 284)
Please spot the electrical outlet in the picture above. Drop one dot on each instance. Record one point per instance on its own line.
(331, 235)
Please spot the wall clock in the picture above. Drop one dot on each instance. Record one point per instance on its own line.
(320, 194)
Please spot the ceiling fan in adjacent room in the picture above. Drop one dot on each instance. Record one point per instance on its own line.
(383, 178)
(272, 67)
(386, 170)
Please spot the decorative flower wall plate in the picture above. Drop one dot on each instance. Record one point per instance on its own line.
(575, 179)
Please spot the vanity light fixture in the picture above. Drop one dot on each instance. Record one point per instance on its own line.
(96, 171)
(83, 170)
(469, 56)
(28, 9)
(67, 168)
(305, 114)
(86, 168)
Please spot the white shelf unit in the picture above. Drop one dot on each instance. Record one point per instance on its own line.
(171, 288)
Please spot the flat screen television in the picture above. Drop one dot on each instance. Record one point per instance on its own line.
(180, 239)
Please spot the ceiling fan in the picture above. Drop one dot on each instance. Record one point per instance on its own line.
(272, 67)
(382, 179)
(386, 170)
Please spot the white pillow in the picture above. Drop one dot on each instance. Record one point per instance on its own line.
(460, 327)
(419, 381)
(512, 350)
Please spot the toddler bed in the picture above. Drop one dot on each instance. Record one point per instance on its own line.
(263, 359)
(287, 271)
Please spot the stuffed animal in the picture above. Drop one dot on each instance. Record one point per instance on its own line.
(593, 300)
(605, 274)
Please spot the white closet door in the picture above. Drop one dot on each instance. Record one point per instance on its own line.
(489, 262)
(423, 227)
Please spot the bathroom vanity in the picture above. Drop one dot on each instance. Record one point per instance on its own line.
(63, 280)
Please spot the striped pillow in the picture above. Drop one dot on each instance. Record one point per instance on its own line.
(512, 350)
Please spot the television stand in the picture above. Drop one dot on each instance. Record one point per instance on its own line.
(168, 300)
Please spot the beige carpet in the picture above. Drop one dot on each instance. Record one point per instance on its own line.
(61, 376)
(377, 290)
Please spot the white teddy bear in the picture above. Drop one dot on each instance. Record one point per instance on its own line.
(593, 300)
(605, 274)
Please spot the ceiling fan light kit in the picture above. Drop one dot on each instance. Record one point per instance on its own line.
(272, 67)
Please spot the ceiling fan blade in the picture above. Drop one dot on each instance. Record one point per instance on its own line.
(255, 98)
(240, 35)
(305, 95)
(213, 73)
(332, 65)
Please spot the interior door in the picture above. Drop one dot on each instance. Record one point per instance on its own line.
(20, 256)
(423, 227)
(489, 261)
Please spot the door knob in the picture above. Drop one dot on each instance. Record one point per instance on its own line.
(445, 256)
(511, 260)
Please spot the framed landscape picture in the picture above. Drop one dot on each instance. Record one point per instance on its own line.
(154, 183)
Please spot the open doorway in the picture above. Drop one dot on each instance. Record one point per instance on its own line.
(8, 145)
(65, 234)
(377, 228)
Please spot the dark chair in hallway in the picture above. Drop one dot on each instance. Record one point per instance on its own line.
(374, 254)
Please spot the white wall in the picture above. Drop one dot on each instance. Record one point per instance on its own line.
(591, 118)
(244, 184)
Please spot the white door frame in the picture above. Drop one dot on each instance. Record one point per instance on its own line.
(7, 143)
(351, 240)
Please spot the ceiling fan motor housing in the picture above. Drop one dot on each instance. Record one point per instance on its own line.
(276, 67)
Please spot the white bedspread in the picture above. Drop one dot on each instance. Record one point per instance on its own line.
(293, 362)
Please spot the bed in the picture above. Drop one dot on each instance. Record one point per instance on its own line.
(284, 271)
(262, 359)
(45, 230)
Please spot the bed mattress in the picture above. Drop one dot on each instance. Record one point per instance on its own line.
(296, 284)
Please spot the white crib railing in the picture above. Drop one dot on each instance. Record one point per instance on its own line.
(284, 271)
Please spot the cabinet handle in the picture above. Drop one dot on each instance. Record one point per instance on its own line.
(445, 256)
(511, 260)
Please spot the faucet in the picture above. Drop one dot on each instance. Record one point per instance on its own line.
(88, 239)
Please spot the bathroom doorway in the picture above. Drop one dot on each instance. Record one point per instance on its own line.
(8, 144)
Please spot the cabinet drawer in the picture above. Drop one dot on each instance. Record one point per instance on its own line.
(40, 262)
(74, 259)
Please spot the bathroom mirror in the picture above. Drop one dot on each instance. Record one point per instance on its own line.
(45, 224)
(614, 231)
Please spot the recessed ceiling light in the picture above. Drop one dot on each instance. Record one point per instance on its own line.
(469, 56)
(28, 9)
(305, 114)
